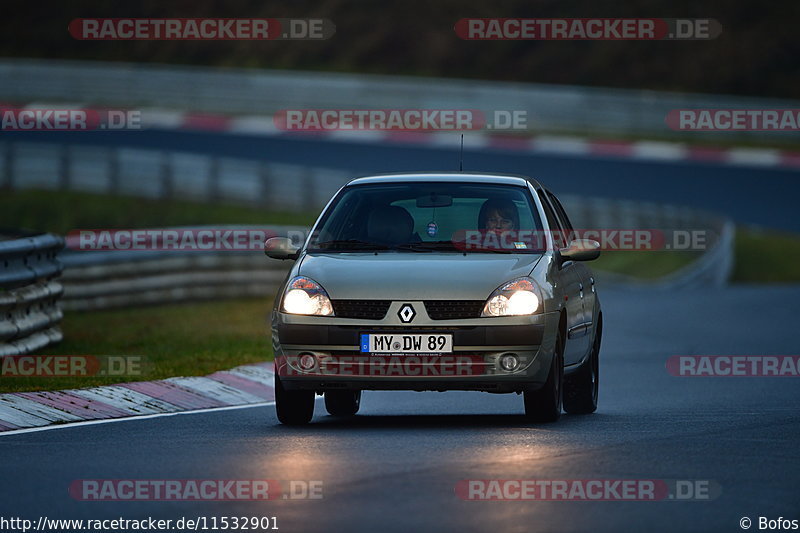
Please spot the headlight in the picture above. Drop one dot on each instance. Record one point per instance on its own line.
(517, 297)
(305, 296)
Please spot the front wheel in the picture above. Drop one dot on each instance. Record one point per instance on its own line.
(294, 407)
(342, 402)
(544, 404)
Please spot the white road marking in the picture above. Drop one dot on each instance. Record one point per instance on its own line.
(659, 150)
(161, 118)
(21, 418)
(211, 388)
(129, 418)
(753, 156)
(126, 399)
(367, 136)
(30, 407)
(561, 145)
(256, 125)
(259, 374)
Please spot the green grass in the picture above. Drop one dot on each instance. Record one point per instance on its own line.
(189, 339)
(766, 257)
(62, 211)
(760, 256)
(643, 264)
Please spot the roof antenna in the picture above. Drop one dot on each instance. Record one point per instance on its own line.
(461, 157)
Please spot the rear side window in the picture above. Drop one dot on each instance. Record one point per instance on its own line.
(552, 221)
(556, 228)
(562, 216)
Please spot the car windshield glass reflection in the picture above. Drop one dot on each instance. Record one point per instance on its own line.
(430, 217)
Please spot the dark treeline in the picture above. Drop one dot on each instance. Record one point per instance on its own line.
(757, 54)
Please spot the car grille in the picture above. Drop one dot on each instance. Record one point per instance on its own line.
(453, 309)
(366, 309)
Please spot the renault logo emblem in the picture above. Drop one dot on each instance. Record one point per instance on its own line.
(406, 313)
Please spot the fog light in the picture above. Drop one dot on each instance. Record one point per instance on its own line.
(509, 362)
(307, 361)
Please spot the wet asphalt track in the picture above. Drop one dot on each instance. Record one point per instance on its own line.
(394, 467)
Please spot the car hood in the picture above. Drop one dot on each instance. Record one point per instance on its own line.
(414, 276)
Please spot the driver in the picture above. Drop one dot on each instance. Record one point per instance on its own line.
(390, 225)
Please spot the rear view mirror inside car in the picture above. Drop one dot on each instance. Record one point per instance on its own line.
(435, 200)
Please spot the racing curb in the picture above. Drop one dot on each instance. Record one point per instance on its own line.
(568, 146)
(541, 144)
(243, 385)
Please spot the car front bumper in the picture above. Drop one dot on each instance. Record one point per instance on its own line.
(478, 343)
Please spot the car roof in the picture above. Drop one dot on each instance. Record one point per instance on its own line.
(455, 177)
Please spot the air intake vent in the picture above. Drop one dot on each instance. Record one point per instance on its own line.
(453, 309)
(365, 309)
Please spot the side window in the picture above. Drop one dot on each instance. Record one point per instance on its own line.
(562, 216)
(552, 221)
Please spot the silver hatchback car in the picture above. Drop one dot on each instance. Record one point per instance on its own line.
(436, 282)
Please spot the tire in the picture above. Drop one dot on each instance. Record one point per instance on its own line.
(582, 387)
(295, 407)
(544, 404)
(342, 402)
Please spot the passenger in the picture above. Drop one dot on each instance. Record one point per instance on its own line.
(498, 215)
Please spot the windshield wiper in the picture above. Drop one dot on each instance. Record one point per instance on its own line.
(428, 246)
(412, 247)
(348, 244)
(493, 251)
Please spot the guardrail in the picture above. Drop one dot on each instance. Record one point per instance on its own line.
(551, 108)
(124, 278)
(29, 292)
(712, 268)
(161, 174)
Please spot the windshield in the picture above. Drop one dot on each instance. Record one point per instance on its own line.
(426, 217)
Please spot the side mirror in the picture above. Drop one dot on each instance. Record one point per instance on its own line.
(281, 248)
(580, 250)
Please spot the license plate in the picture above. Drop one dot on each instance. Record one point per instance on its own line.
(400, 343)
